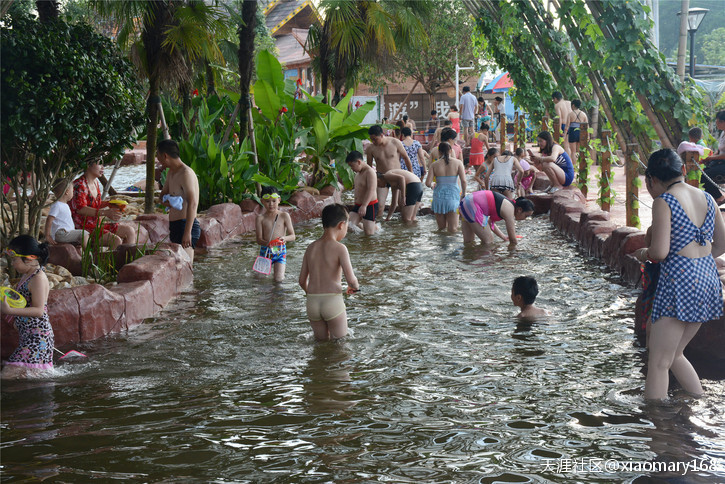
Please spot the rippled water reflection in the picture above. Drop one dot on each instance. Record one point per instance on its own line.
(437, 382)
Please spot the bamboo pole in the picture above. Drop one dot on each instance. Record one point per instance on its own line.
(545, 123)
(516, 129)
(606, 172)
(522, 130)
(583, 156)
(557, 130)
(502, 125)
(632, 175)
(692, 175)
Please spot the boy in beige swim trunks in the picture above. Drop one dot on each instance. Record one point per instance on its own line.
(323, 264)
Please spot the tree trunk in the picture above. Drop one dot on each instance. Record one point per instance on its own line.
(246, 62)
(682, 44)
(47, 10)
(151, 134)
(210, 84)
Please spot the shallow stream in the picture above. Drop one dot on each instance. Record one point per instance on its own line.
(437, 382)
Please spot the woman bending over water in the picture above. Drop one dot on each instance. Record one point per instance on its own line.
(480, 210)
(687, 232)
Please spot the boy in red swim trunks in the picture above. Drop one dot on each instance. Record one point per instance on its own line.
(366, 201)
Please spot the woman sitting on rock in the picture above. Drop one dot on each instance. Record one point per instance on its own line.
(89, 210)
(555, 162)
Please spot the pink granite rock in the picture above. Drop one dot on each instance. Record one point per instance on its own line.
(588, 235)
(138, 302)
(101, 311)
(159, 269)
(157, 226)
(212, 232)
(332, 191)
(229, 215)
(570, 224)
(303, 200)
(66, 255)
(10, 338)
(541, 181)
(542, 202)
(65, 316)
(248, 205)
(249, 219)
(612, 248)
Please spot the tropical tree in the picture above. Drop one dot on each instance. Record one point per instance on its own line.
(355, 32)
(164, 36)
(713, 46)
(432, 61)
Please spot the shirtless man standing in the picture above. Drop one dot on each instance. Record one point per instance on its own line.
(387, 152)
(366, 205)
(181, 182)
(562, 108)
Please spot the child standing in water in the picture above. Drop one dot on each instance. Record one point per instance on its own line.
(34, 353)
(322, 266)
(274, 229)
(523, 295)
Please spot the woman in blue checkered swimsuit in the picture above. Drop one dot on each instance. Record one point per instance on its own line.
(689, 291)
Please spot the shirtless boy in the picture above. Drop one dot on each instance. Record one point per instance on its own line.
(366, 201)
(407, 194)
(274, 229)
(562, 108)
(387, 153)
(523, 295)
(181, 182)
(322, 266)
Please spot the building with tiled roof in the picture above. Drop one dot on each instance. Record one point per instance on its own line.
(288, 21)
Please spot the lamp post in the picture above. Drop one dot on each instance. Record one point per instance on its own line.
(694, 19)
(458, 69)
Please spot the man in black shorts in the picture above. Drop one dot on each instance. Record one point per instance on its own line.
(366, 201)
(407, 194)
(181, 195)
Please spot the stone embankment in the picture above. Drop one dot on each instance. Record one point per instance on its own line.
(146, 285)
(602, 238)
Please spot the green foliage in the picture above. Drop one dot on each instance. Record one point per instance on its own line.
(68, 98)
(431, 60)
(293, 132)
(670, 25)
(713, 47)
(510, 46)
(224, 168)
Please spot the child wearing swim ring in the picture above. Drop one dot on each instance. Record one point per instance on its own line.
(34, 354)
(323, 264)
(274, 229)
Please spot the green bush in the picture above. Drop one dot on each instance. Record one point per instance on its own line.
(68, 98)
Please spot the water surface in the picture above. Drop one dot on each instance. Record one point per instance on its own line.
(437, 383)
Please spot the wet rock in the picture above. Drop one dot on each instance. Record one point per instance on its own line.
(101, 311)
(156, 225)
(64, 315)
(229, 215)
(332, 191)
(249, 205)
(249, 220)
(159, 269)
(138, 302)
(542, 202)
(212, 232)
(79, 281)
(303, 200)
(611, 251)
(66, 255)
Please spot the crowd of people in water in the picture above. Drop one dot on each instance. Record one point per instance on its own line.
(687, 230)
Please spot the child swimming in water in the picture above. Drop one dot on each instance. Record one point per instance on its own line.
(274, 229)
(523, 295)
(34, 353)
(322, 266)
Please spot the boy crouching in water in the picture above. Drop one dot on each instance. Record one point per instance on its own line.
(523, 295)
(274, 229)
(324, 261)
